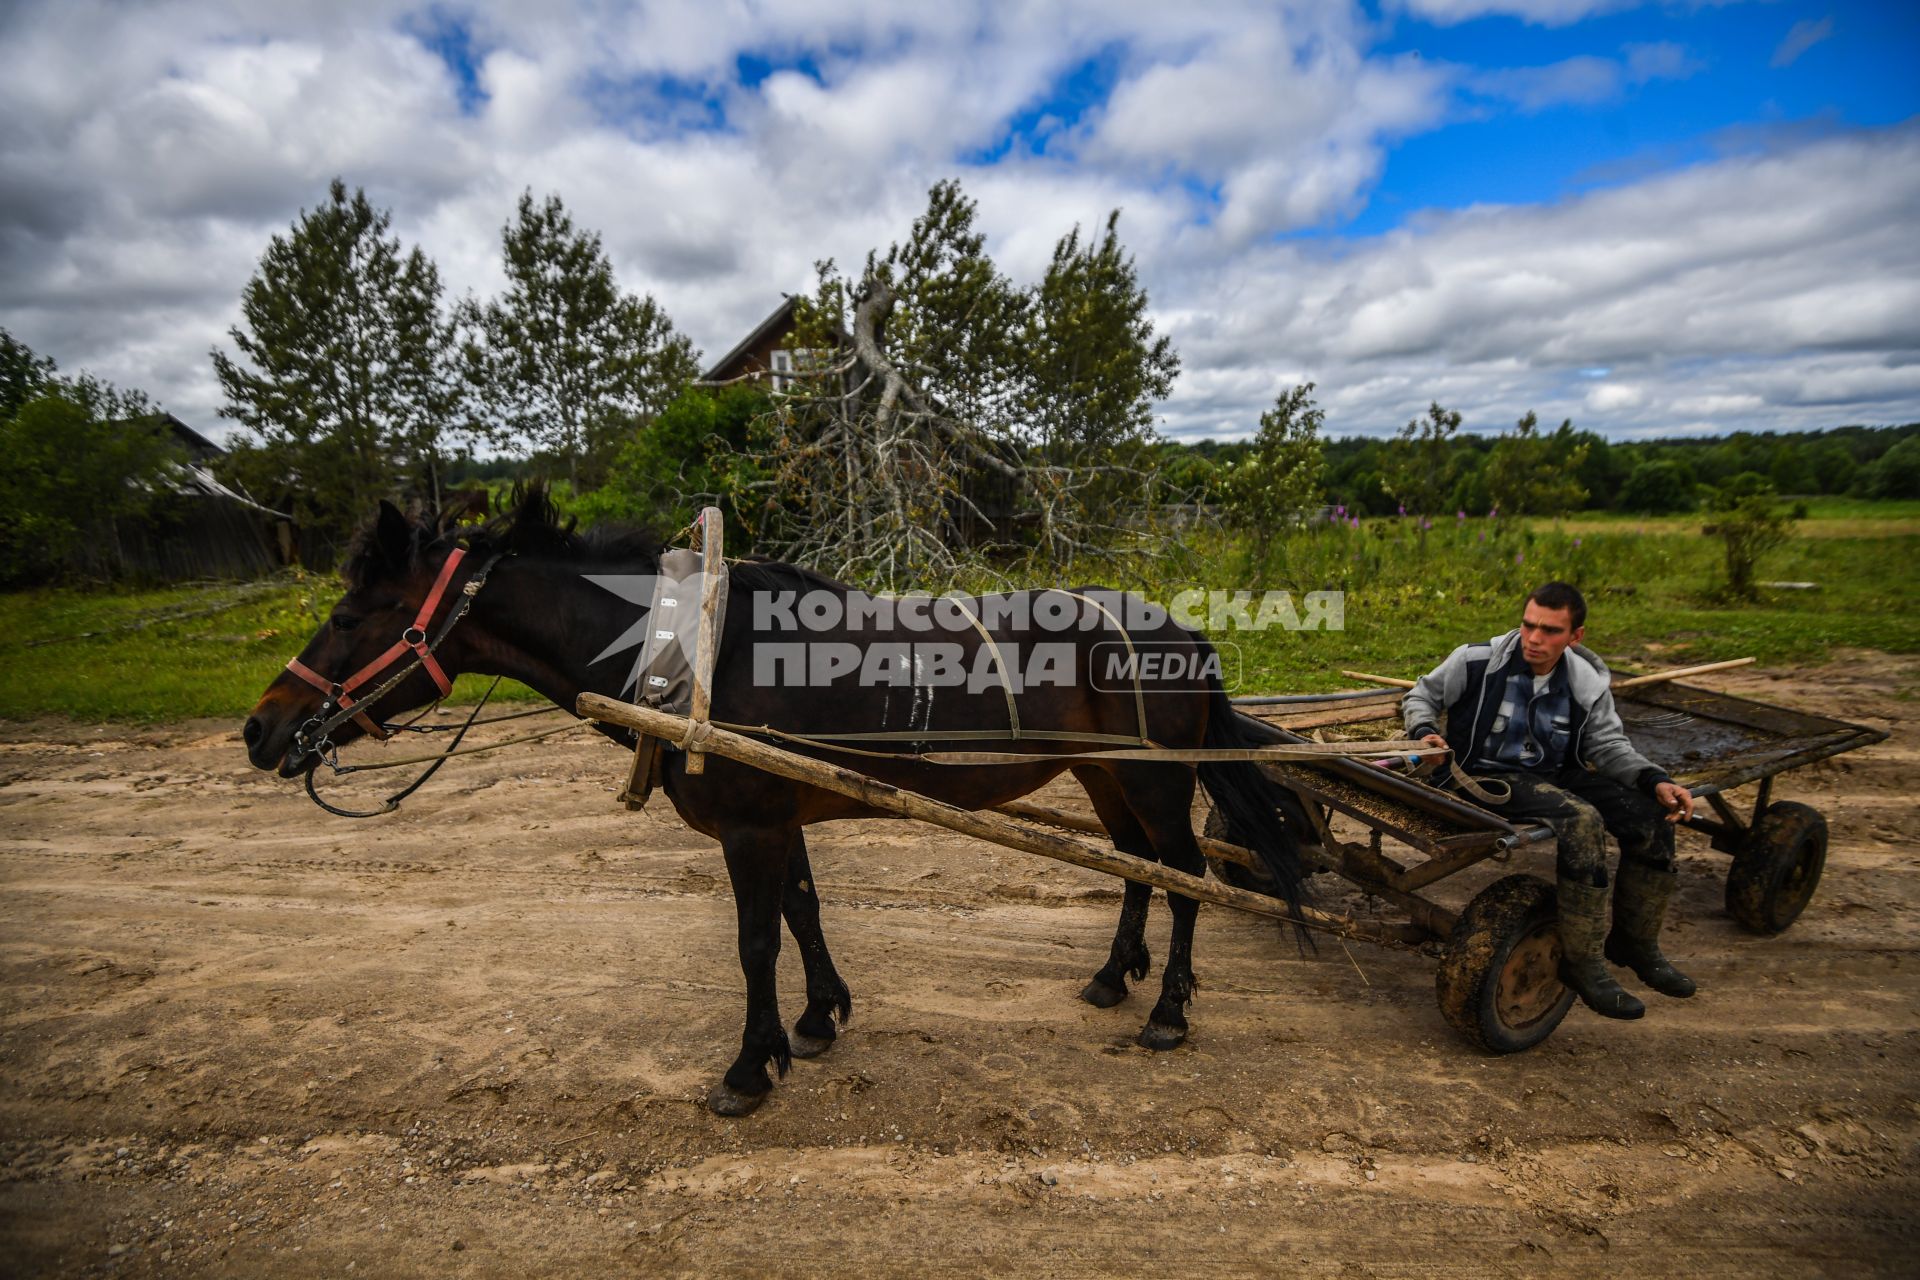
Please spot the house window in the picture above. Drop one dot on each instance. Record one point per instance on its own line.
(787, 363)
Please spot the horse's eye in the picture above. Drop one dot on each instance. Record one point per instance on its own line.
(342, 622)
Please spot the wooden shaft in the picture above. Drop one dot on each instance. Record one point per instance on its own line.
(1395, 681)
(982, 826)
(1093, 826)
(1675, 674)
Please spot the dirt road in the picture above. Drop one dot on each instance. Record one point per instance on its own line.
(239, 1037)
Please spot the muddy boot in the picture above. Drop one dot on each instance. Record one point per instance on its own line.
(1583, 915)
(1640, 900)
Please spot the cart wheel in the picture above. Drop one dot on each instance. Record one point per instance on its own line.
(1499, 980)
(1776, 871)
(1253, 879)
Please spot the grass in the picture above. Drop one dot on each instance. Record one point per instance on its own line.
(210, 650)
(158, 655)
(1652, 595)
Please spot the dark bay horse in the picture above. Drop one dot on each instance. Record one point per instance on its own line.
(542, 618)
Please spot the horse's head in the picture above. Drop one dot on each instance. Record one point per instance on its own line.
(398, 567)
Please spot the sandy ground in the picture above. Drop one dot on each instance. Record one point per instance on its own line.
(239, 1037)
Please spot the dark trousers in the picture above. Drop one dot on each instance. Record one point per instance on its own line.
(1583, 808)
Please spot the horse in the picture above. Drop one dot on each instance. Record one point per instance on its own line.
(534, 612)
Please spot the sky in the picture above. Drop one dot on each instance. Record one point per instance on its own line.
(1651, 218)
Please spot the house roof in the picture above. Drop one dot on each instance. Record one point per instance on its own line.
(781, 317)
(195, 442)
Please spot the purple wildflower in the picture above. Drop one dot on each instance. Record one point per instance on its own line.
(1356, 522)
(1403, 508)
(1519, 557)
(1340, 511)
(1483, 535)
(1460, 515)
(1492, 512)
(1425, 523)
(1576, 542)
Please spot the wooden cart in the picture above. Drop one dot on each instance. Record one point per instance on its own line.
(1498, 980)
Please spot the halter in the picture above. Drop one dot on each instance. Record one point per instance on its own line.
(340, 706)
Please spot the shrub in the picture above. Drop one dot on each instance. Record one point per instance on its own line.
(1749, 521)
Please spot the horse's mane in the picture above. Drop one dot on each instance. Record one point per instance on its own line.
(533, 526)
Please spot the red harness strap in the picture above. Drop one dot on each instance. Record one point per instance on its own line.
(414, 638)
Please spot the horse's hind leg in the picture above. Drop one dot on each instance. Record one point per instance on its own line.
(1128, 958)
(1161, 800)
(827, 995)
(756, 862)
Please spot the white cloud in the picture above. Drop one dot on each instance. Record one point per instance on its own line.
(151, 151)
(1546, 13)
(1802, 36)
(1742, 286)
(1585, 80)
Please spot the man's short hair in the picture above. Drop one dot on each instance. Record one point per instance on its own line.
(1559, 595)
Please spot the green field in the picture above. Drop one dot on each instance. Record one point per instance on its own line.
(1409, 597)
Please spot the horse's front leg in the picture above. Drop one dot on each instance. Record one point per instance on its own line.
(757, 864)
(827, 995)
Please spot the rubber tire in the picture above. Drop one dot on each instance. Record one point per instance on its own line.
(1252, 879)
(1778, 868)
(1507, 913)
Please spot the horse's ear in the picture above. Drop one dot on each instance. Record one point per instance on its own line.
(394, 535)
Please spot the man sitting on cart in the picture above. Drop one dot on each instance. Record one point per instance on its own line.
(1534, 709)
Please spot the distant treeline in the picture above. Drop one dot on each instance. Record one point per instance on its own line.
(1652, 476)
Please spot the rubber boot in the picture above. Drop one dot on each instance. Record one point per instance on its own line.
(1583, 917)
(1640, 898)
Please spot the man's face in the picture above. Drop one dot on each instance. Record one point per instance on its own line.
(1545, 634)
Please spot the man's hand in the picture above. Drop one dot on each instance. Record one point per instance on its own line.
(1677, 799)
(1435, 741)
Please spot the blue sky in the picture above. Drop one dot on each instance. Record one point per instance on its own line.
(1650, 218)
(1862, 72)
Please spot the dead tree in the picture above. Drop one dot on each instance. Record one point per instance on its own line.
(869, 473)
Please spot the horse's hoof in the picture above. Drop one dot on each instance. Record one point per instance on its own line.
(1101, 996)
(725, 1101)
(803, 1045)
(1160, 1037)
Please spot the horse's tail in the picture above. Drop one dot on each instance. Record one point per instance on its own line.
(1260, 815)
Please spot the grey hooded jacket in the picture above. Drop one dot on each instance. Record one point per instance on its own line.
(1458, 700)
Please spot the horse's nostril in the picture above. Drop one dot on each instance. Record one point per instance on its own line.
(253, 730)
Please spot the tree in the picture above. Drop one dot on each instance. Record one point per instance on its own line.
(1533, 475)
(922, 440)
(955, 320)
(1657, 488)
(71, 470)
(1896, 473)
(1749, 522)
(23, 375)
(563, 359)
(345, 380)
(1282, 477)
(1420, 463)
(1095, 365)
(1833, 467)
(699, 451)
(1790, 470)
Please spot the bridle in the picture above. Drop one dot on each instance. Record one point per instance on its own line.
(343, 700)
